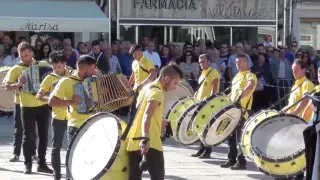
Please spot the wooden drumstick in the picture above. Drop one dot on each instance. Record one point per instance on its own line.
(143, 165)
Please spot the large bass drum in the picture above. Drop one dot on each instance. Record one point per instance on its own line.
(96, 151)
(7, 97)
(277, 145)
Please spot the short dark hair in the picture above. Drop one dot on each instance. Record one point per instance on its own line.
(95, 43)
(171, 70)
(114, 43)
(294, 42)
(86, 60)
(242, 56)
(301, 63)
(24, 46)
(134, 48)
(56, 57)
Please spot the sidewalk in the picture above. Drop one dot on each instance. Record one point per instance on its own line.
(179, 165)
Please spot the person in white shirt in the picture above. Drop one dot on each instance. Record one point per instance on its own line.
(12, 59)
(113, 60)
(153, 56)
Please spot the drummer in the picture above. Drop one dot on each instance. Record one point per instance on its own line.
(243, 86)
(209, 84)
(147, 124)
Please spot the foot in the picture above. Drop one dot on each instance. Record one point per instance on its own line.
(44, 169)
(205, 156)
(14, 159)
(27, 170)
(35, 158)
(238, 166)
(228, 164)
(199, 153)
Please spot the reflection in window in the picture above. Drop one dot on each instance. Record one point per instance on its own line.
(127, 33)
(181, 34)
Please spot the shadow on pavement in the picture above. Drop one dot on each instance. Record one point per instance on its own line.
(168, 177)
(259, 176)
(17, 171)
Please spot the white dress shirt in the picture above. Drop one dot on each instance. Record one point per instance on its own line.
(154, 58)
(11, 61)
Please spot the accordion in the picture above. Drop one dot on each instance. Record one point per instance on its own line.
(104, 93)
(34, 75)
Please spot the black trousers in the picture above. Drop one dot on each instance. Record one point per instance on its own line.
(18, 130)
(205, 149)
(59, 128)
(30, 117)
(155, 161)
(233, 142)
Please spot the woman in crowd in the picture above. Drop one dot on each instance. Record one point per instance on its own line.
(165, 56)
(12, 59)
(45, 51)
(218, 64)
(311, 71)
(190, 68)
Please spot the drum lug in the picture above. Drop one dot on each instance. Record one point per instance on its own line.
(277, 165)
(203, 116)
(212, 106)
(124, 169)
(175, 111)
(293, 163)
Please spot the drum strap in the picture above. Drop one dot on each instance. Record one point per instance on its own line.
(132, 115)
(200, 84)
(143, 69)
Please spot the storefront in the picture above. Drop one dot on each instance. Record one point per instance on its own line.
(81, 19)
(177, 21)
(306, 24)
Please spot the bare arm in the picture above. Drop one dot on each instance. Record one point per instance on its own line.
(131, 79)
(12, 87)
(249, 88)
(152, 76)
(147, 116)
(214, 86)
(301, 106)
(56, 102)
(41, 95)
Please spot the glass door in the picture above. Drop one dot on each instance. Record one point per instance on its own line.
(154, 33)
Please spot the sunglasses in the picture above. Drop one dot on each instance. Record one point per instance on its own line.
(293, 45)
(239, 47)
(188, 47)
(224, 47)
(188, 54)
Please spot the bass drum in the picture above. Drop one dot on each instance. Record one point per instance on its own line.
(183, 89)
(96, 151)
(7, 97)
(249, 126)
(179, 117)
(277, 145)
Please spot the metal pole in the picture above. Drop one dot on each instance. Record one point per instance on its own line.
(137, 34)
(170, 34)
(231, 37)
(277, 9)
(110, 20)
(165, 35)
(118, 16)
(290, 20)
(191, 35)
(284, 22)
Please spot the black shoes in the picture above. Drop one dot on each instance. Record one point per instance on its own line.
(205, 156)
(238, 166)
(228, 164)
(14, 159)
(27, 170)
(44, 169)
(199, 153)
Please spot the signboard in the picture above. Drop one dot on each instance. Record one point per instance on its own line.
(199, 9)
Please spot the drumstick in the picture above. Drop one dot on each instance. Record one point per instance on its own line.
(143, 165)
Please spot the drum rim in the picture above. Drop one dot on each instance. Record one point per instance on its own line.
(212, 120)
(279, 176)
(180, 122)
(201, 105)
(113, 156)
(280, 160)
(5, 70)
(174, 104)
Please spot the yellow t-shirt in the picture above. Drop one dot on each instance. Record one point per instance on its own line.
(204, 90)
(26, 99)
(139, 74)
(301, 86)
(239, 82)
(153, 93)
(64, 90)
(47, 85)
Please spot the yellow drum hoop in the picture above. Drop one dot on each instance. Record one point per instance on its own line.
(181, 117)
(115, 155)
(263, 162)
(213, 121)
(246, 133)
(3, 72)
(203, 106)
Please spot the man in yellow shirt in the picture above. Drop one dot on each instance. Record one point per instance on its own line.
(59, 114)
(209, 84)
(243, 86)
(32, 111)
(147, 125)
(143, 70)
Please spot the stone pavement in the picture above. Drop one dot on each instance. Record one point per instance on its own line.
(179, 165)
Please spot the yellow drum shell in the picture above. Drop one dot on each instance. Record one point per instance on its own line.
(178, 117)
(249, 126)
(206, 110)
(7, 97)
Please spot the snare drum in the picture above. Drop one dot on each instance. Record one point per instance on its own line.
(277, 145)
(7, 97)
(206, 109)
(179, 116)
(183, 89)
(96, 151)
(248, 127)
(222, 125)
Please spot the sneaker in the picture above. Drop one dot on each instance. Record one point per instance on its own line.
(44, 169)
(199, 153)
(27, 170)
(14, 159)
(238, 166)
(227, 164)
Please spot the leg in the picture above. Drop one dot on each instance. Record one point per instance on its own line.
(201, 149)
(134, 160)
(58, 130)
(207, 152)
(28, 116)
(17, 134)
(155, 160)
(232, 153)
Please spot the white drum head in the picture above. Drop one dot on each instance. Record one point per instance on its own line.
(282, 137)
(7, 97)
(184, 131)
(222, 125)
(94, 148)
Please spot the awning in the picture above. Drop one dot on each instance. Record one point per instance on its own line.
(52, 16)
